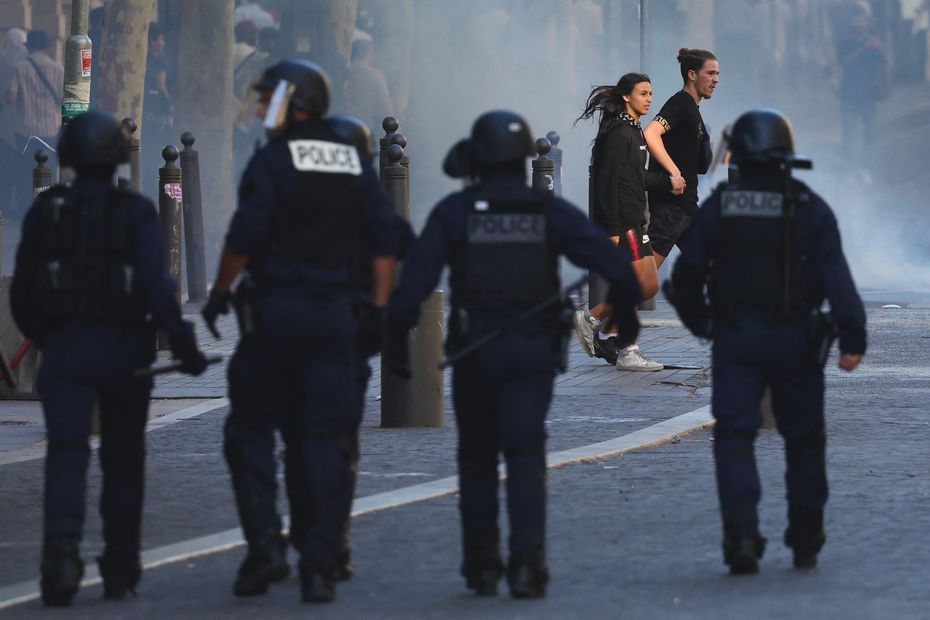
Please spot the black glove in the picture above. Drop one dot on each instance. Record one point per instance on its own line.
(194, 364)
(217, 304)
(396, 356)
(694, 313)
(626, 320)
(371, 327)
(184, 348)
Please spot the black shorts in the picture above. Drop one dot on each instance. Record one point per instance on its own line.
(637, 242)
(668, 226)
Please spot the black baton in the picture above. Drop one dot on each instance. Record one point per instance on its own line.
(151, 371)
(488, 337)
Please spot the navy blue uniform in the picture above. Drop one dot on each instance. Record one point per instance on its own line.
(502, 391)
(757, 346)
(306, 204)
(92, 337)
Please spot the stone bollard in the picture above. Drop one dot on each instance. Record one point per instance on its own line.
(41, 174)
(556, 156)
(193, 220)
(135, 154)
(390, 125)
(169, 214)
(419, 401)
(543, 167)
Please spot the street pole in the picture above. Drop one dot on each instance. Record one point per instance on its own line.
(645, 40)
(76, 95)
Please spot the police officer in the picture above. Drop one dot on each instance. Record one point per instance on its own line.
(353, 131)
(769, 251)
(307, 204)
(502, 241)
(89, 273)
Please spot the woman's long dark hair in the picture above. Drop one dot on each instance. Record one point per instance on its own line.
(608, 100)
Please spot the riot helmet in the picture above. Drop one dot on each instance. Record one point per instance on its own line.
(93, 139)
(501, 137)
(761, 136)
(311, 85)
(460, 161)
(353, 131)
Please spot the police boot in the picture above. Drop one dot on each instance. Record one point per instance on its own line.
(742, 552)
(62, 570)
(120, 575)
(265, 563)
(344, 565)
(527, 575)
(805, 537)
(316, 586)
(482, 574)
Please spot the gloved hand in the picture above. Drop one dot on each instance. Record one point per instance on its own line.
(396, 356)
(694, 313)
(371, 328)
(626, 319)
(184, 348)
(194, 364)
(217, 304)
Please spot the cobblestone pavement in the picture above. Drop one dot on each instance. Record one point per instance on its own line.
(634, 536)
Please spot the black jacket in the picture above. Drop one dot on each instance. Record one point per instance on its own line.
(620, 179)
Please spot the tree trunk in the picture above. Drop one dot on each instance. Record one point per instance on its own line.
(123, 55)
(205, 107)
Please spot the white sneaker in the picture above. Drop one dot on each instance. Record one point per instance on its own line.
(586, 328)
(634, 359)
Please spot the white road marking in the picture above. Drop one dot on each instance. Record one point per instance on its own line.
(657, 434)
(37, 450)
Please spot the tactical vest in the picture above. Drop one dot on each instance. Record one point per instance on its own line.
(87, 265)
(506, 255)
(759, 268)
(318, 222)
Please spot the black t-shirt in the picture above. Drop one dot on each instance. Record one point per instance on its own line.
(688, 144)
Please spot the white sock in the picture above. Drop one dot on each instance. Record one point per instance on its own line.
(603, 336)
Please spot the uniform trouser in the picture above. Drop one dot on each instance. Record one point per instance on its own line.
(295, 374)
(81, 366)
(747, 357)
(501, 395)
(347, 492)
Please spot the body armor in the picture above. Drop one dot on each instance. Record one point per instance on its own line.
(318, 221)
(760, 268)
(87, 268)
(506, 255)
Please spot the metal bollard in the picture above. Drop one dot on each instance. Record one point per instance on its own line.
(390, 125)
(41, 174)
(135, 154)
(396, 393)
(418, 402)
(400, 140)
(193, 220)
(556, 156)
(425, 356)
(169, 214)
(543, 167)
